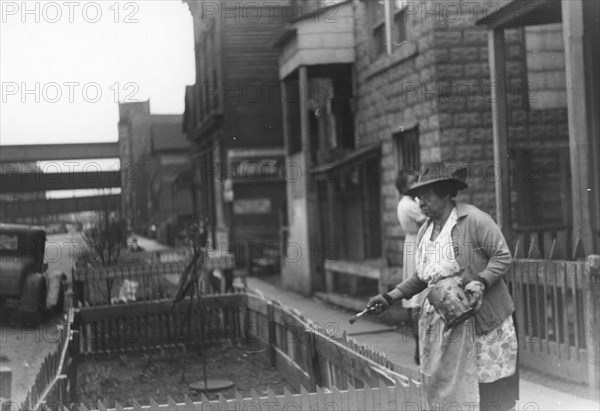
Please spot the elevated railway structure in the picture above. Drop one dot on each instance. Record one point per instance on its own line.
(21, 181)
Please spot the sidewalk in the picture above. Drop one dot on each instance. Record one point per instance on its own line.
(538, 392)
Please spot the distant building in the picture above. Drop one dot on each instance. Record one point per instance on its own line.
(171, 200)
(153, 152)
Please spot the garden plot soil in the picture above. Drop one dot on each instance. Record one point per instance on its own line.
(120, 379)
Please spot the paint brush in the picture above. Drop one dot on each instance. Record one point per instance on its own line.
(366, 311)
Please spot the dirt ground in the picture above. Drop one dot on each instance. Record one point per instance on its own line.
(123, 379)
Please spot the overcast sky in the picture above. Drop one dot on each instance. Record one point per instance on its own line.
(65, 64)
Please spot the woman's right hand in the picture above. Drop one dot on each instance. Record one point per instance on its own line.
(379, 303)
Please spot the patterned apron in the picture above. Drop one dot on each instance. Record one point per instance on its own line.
(448, 357)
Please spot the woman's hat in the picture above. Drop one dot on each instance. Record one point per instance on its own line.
(435, 172)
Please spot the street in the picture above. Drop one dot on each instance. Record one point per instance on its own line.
(24, 348)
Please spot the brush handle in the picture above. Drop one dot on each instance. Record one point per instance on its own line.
(362, 314)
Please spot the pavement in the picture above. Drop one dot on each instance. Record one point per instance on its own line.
(538, 392)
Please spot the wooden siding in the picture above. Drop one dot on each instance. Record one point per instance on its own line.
(250, 87)
(325, 39)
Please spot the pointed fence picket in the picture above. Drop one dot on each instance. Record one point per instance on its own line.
(381, 397)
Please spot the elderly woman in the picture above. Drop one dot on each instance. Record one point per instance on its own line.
(461, 254)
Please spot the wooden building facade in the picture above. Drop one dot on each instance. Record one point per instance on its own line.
(233, 120)
(316, 57)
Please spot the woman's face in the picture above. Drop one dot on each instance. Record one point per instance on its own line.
(431, 205)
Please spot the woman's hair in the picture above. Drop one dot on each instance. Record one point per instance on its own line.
(443, 188)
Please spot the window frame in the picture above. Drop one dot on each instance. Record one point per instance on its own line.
(377, 27)
(400, 36)
(403, 142)
(389, 32)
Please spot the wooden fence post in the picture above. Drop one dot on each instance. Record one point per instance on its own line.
(74, 354)
(272, 337)
(314, 368)
(592, 310)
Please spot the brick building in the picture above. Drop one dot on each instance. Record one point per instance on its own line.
(428, 97)
(171, 201)
(418, 85)
(434, 98)
(153, 150)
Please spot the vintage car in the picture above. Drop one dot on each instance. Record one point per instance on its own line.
(24, 280)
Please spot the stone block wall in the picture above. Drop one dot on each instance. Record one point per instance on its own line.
(441, 83)
(391, 96)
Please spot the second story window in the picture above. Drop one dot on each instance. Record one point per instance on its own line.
(377, 25)
(388, 25)
(400, 27)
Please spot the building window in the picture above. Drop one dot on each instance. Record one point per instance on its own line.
(380, 25)
(400, 27)
(407, 150)
(377, 23)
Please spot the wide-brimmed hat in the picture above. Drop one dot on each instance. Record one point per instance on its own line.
(435, 172)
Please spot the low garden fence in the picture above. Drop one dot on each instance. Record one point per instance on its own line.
(557, 305)
(169, 255)
(52, 383)
(308, 355)
(125, 283)
(558, 311)
(142, 280)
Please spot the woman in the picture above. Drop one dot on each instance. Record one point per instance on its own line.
(474, 362)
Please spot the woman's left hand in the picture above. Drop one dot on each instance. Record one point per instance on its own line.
(474, 292)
